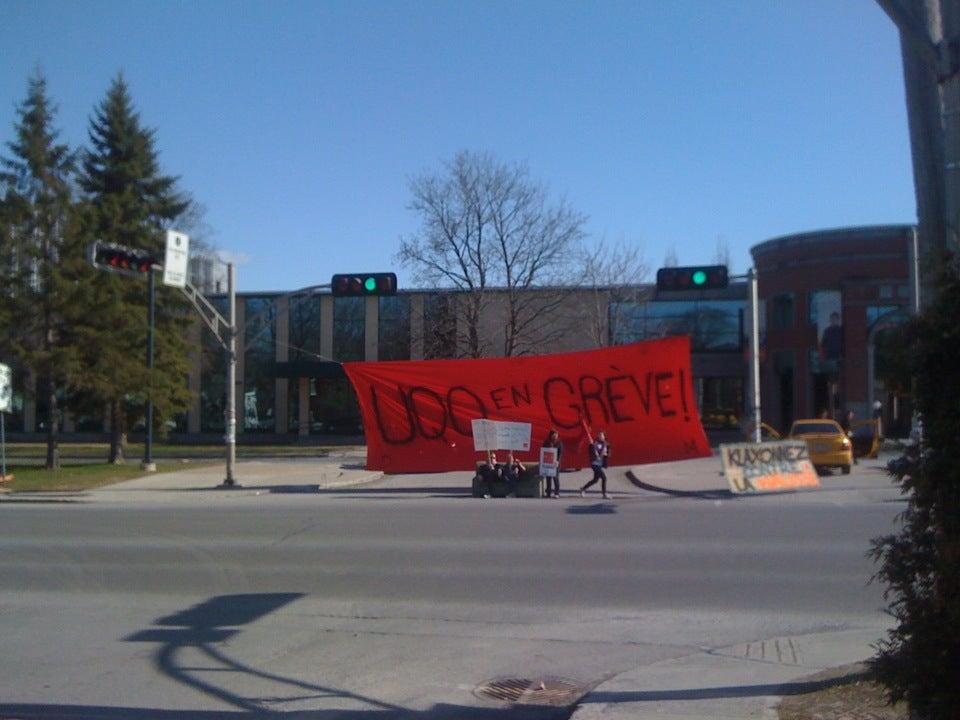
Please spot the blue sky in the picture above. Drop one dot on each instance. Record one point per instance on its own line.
(299, 124)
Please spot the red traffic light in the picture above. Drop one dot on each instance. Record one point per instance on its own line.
(360, 284)
(702, 277)
(120, 259)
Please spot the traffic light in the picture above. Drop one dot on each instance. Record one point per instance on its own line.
(360, 284)
(703, 277)
(121, 259)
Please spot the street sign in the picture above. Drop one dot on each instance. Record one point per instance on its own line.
(175, 260)
(6, 388)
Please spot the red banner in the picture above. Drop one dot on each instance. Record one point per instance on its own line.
(416, 414)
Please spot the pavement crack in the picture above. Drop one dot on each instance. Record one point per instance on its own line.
(295, 533)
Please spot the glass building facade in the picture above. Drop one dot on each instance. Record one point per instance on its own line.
(713, 325)
(259, 357)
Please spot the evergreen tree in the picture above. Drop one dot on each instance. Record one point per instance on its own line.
(128, 201)
(920, 565)
(36, 219)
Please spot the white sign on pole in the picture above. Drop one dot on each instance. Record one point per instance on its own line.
(175, 260)
(6, 388)
(500, 435)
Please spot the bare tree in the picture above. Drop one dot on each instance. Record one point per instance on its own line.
(487, 226)
(721, 254)
(612, 275)
(670, 258)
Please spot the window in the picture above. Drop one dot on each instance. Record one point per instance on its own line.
(304, 328)
(349, 321)
(439, 327)
(720, 400)
(781, 312)
(820, 304)
(260, 344)
(713, 325)
(394, 330)
(875, 312)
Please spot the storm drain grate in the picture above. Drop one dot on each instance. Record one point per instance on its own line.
(553, 691)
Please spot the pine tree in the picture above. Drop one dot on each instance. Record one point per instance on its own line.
(128, 201)
(36, 219)
(920, 564)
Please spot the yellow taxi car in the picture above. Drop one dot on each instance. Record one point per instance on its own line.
(827, 443)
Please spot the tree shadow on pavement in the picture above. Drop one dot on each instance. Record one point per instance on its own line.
(202, 629)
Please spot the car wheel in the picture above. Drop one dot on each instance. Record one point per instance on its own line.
(845, 469)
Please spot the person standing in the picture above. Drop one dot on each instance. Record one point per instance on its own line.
(553, 441)
(599, 455)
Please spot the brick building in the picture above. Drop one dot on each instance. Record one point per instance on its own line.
(858, 280)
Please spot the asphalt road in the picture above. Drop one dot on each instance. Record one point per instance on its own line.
(398, 599)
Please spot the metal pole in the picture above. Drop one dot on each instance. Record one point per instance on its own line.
(755, 352)
(148, 464)
(3, 447)
(914, 248)
(230, 436)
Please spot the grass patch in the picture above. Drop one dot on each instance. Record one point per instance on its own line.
(74, 478)
(854, 700)
(93, 451)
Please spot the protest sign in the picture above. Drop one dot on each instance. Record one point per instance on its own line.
(768, 467)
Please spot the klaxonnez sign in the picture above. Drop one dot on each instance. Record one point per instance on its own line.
(768, 467)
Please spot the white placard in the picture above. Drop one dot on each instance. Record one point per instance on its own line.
(175, 260)
(548, 461)
(500, 435)
(6, 388)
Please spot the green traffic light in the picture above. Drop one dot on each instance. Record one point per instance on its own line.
(370, 284)
(699, 277)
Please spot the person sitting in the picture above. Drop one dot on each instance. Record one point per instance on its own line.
(489, 473)
(511, 473)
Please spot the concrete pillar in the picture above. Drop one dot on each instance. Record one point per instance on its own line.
(280, 408)
(416, 327)
(304, 406)
(371, 328)
(326, 327)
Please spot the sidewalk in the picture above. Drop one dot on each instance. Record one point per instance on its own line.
(742, 681)
(253, 477)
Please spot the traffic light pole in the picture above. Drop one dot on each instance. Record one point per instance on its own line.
(755, 351)
(230, 436)
(148, 463)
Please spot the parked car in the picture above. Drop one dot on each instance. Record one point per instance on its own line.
(827, 443)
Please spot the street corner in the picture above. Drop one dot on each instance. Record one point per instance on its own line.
(738, 681)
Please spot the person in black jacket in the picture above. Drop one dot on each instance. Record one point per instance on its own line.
(599, 455)
(553, 441)
(511, 473)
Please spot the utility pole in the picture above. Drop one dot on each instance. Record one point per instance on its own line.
(755, 352)
(930, 46)
(231, 405)
(148, 463)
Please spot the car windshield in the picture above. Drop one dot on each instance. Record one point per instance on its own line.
(815, 427)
